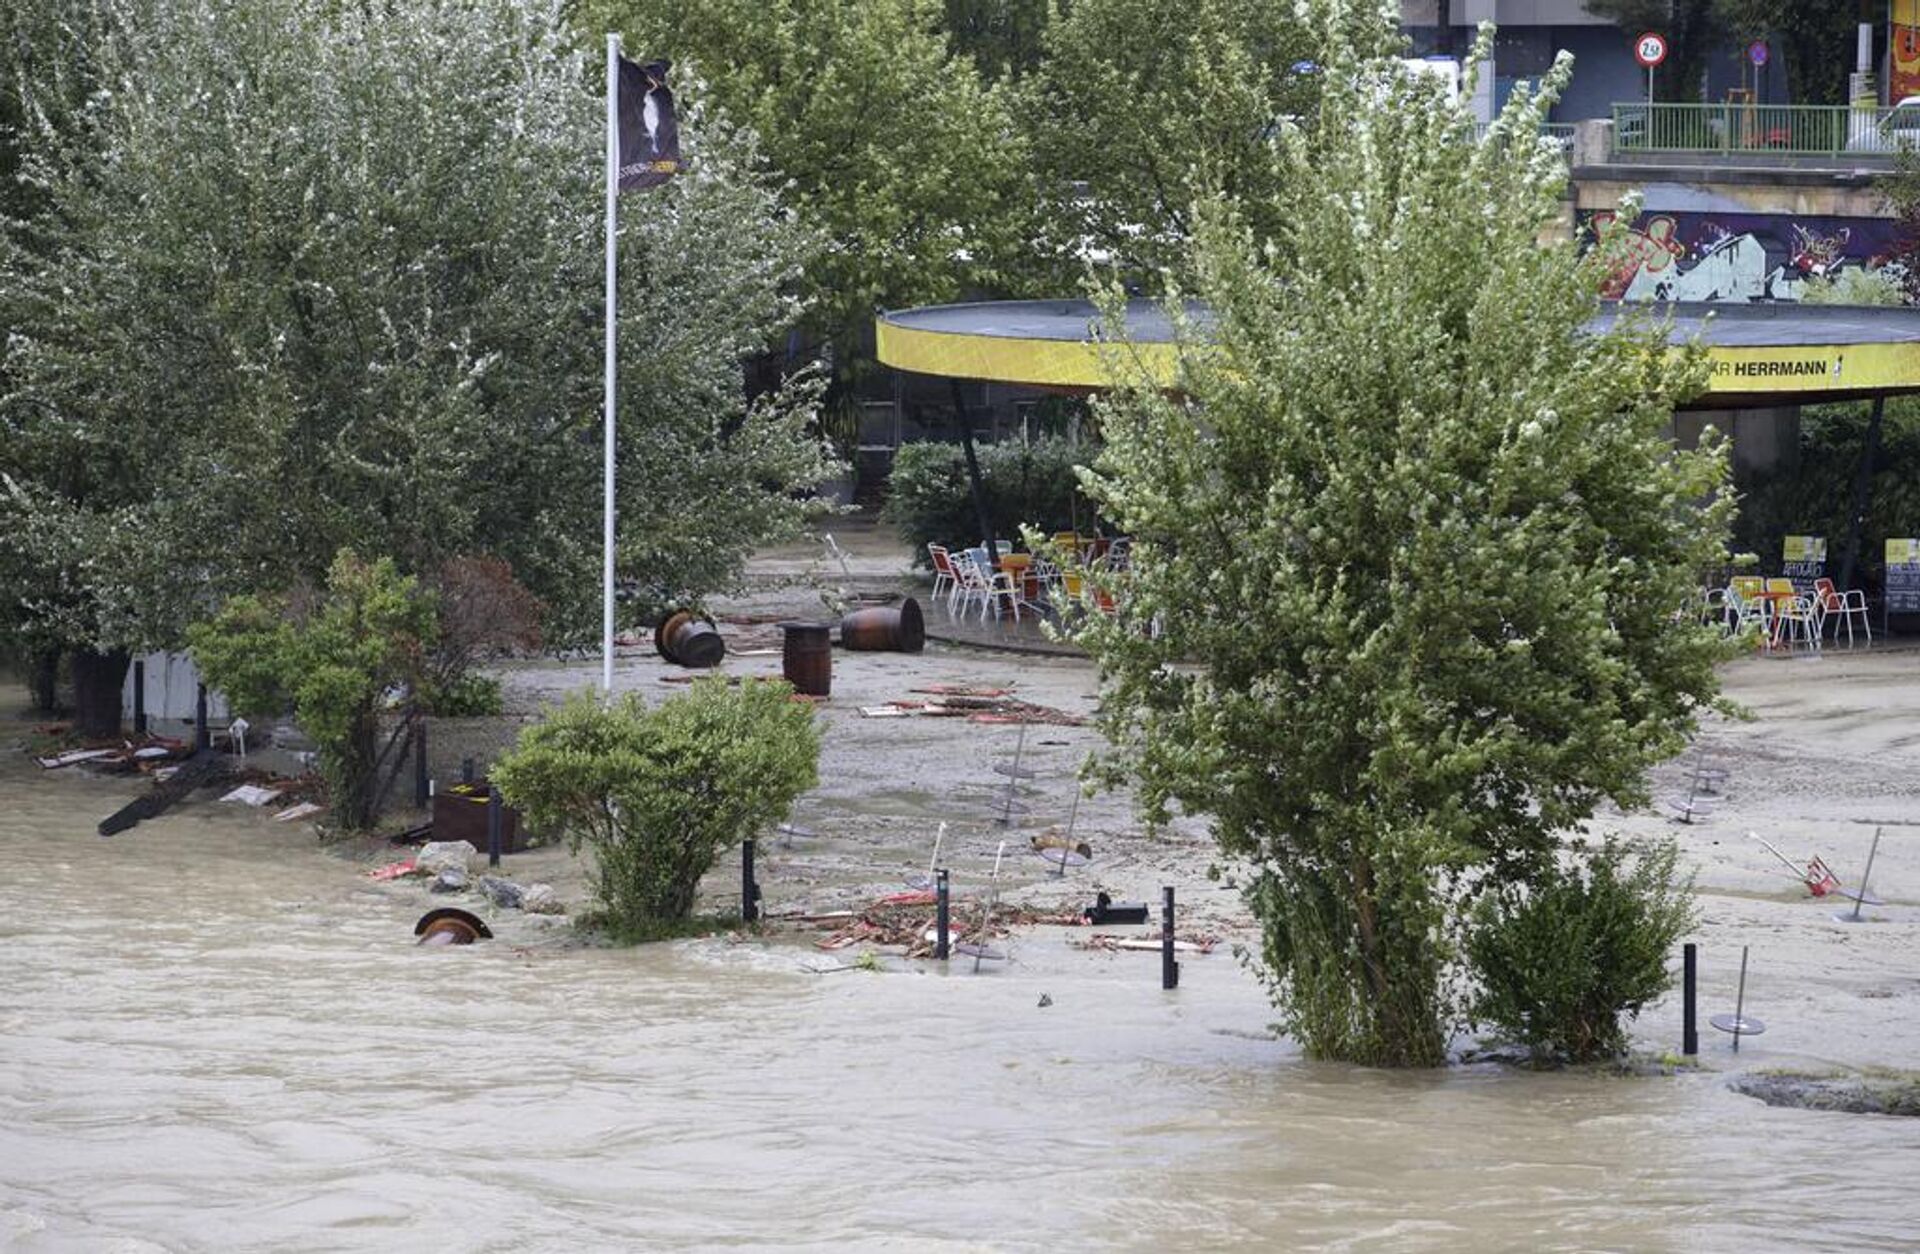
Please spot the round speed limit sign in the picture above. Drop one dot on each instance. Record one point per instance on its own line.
(1650, 49)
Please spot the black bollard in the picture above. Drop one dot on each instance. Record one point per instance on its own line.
(749, 887)
(493, 826)
(202, 737)
(941, 913)
(466, 770)
(1689, 1032)
(422, 792)
(139, 698)
(1169, 969)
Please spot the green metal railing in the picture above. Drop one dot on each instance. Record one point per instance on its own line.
(1785, 130)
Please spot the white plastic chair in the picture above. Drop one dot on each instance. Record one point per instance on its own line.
(1796, 621)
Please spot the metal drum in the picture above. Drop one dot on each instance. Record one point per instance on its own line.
(806, 658)
(886, 629)
(687, 640)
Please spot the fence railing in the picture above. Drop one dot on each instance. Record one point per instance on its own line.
(1785, 130)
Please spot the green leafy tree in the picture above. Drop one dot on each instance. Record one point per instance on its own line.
(1026, 484)
(1408, 542)
(1137, 96)
(889, 144)
(1816, 41)
(657, 793)
(1565, 960)
(323, 276)
(332, 659)
(1693, 29)
(1004, 37)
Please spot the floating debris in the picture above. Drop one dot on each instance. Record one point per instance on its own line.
(1191, 943)
(451, 925)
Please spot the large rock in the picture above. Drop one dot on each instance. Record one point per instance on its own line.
(540, 899)
(451, 879)
(503, 893)
(437, 855)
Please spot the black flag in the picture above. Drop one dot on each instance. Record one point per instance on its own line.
(649, 135)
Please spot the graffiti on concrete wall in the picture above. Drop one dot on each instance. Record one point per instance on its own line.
(1740, 256)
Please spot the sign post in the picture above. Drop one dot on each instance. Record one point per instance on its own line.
(1650, 50)
(1903, 580)
(1803, 559)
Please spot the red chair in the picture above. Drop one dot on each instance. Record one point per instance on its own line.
(1830, 602)
(944, 578)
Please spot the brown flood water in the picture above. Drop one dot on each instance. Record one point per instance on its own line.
(215, 1036)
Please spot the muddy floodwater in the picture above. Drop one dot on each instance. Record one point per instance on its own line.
(215, 1036)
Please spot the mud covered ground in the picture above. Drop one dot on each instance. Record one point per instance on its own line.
(1830, 754)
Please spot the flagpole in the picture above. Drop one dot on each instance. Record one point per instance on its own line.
(613, 192)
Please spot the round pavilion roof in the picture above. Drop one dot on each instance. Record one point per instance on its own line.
(1780, 354)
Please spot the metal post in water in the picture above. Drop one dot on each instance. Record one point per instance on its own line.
(941, 911)
(202, 736)
(1740, 1001)
(1689, 1032)
(1860, 897)
(422, 787)
(749, 889)
(1066, 847)
(1013, 776)
(139, 697)
(493, 826)
(1169, 968)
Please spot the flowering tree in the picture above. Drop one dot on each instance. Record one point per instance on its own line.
(910, 166)
(1410, 546)
(311, 277)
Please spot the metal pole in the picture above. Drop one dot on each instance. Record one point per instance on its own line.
(421, 789)
(613, 193)
(1013, 777)
(202, 738)
(1740, 1001)
(1860, 897)
(749, 889)
(1067, 848)
(941, 914)
(139, 697)
(1169, 968)
(1689, 1032)
(493, 826)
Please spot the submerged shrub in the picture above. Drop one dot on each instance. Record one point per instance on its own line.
(1567, 959)
(658, 793)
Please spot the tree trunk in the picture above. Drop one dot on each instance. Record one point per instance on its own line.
(974, 483)
(97, 681)
(43, 679)
(355, 772)
(1862, 484)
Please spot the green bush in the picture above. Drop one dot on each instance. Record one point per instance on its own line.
(1813, 494)
(1566, 959)
(333, 660)
(658, 793)
(929, 500)
(464, 696)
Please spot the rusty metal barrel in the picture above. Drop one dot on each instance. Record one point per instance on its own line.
(690, 640)
(806, 658)
(885, 629)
